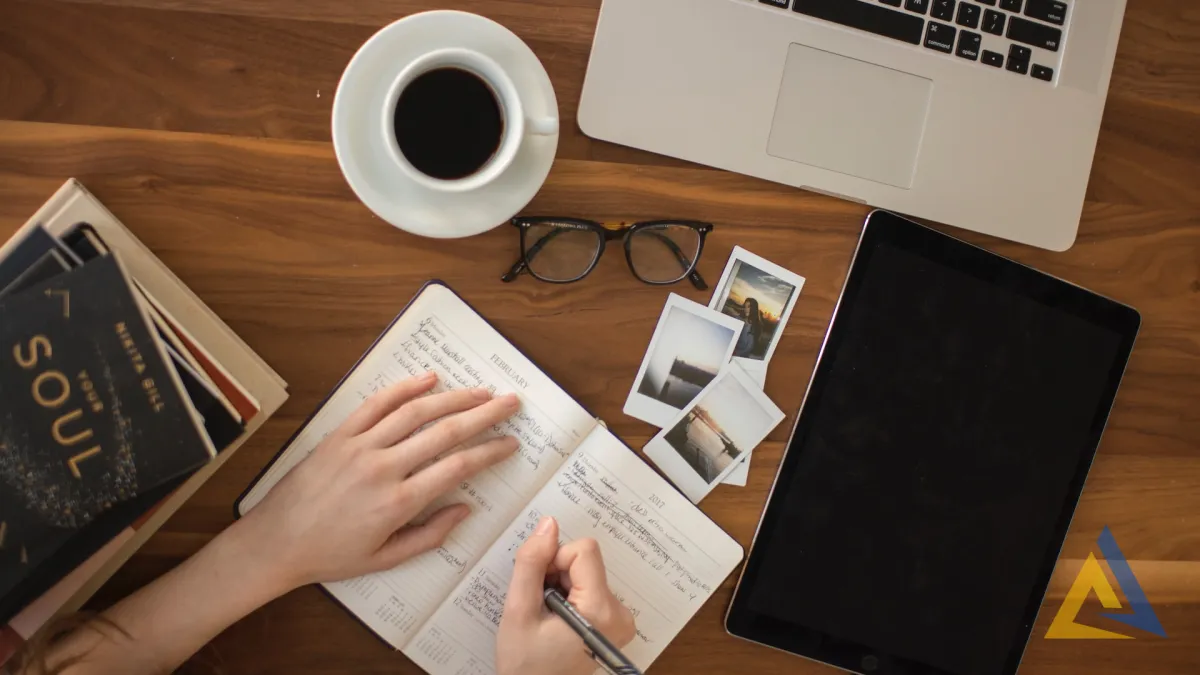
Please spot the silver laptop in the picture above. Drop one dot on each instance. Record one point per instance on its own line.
(981, 114)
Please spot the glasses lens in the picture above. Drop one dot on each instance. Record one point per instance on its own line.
(560, 252)
(664, 253)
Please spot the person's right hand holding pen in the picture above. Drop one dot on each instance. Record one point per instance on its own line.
(532, 640)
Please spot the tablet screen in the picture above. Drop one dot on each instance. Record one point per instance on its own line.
(940, 452)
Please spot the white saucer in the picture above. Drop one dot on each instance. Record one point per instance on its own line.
(373, 174)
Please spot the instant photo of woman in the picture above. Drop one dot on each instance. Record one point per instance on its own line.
(761, 294)
(752, 332)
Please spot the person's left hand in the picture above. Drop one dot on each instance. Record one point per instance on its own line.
(345, 510)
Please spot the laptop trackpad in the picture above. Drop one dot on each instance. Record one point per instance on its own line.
(850, 116)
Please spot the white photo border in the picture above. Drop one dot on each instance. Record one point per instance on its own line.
(666, 458)
(656, 412)
(755, 367)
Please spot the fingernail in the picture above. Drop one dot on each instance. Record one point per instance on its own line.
(428, 376)
(481, 394)
(510, 400)
(544, 525)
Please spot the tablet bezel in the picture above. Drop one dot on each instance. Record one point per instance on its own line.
(882, 227)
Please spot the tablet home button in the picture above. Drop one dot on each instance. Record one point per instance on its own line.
(869, 663)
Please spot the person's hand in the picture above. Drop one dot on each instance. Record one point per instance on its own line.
(533, 641)
(345, 510)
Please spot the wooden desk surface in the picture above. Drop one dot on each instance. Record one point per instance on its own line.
(204, 125)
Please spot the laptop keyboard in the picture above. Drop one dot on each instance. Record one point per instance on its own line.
(1021, 36)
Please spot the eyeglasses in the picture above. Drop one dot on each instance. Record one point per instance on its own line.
(563, 250)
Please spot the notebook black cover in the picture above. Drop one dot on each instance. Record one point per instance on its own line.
(222, 428)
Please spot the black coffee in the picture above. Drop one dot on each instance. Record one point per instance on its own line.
(448, 123)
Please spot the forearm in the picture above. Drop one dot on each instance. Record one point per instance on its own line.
(163, 624)
(343, 512)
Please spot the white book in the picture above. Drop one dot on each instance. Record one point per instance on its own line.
(664, 557)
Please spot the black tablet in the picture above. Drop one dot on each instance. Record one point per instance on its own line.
(940, 451)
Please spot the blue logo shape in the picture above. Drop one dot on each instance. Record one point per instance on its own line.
(1143, 616)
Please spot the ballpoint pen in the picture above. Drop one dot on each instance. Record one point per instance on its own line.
(606, 654)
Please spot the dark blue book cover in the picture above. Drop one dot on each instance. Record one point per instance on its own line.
(32, 247)
(91, 412)
(46, 554)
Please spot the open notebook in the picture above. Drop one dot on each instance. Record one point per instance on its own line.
(664, 557)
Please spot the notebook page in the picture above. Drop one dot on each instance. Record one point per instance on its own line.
(664, 558)
(440, 332)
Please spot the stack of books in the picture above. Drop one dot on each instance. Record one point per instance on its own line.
(120, 394)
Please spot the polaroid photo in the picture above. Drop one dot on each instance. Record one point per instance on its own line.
(740, 474)
(690, 345)
(709, 439)
(760, 294)
(741, 471)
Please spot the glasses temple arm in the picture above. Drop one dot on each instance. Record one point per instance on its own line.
(515, 272)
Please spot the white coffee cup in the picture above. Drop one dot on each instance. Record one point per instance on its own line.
(516, 123)
(364, 115)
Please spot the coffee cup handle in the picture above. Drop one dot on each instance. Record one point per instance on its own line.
(542, 126)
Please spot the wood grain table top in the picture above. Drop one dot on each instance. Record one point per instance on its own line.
(204, 126)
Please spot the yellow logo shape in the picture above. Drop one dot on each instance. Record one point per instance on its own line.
(1090, 578)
